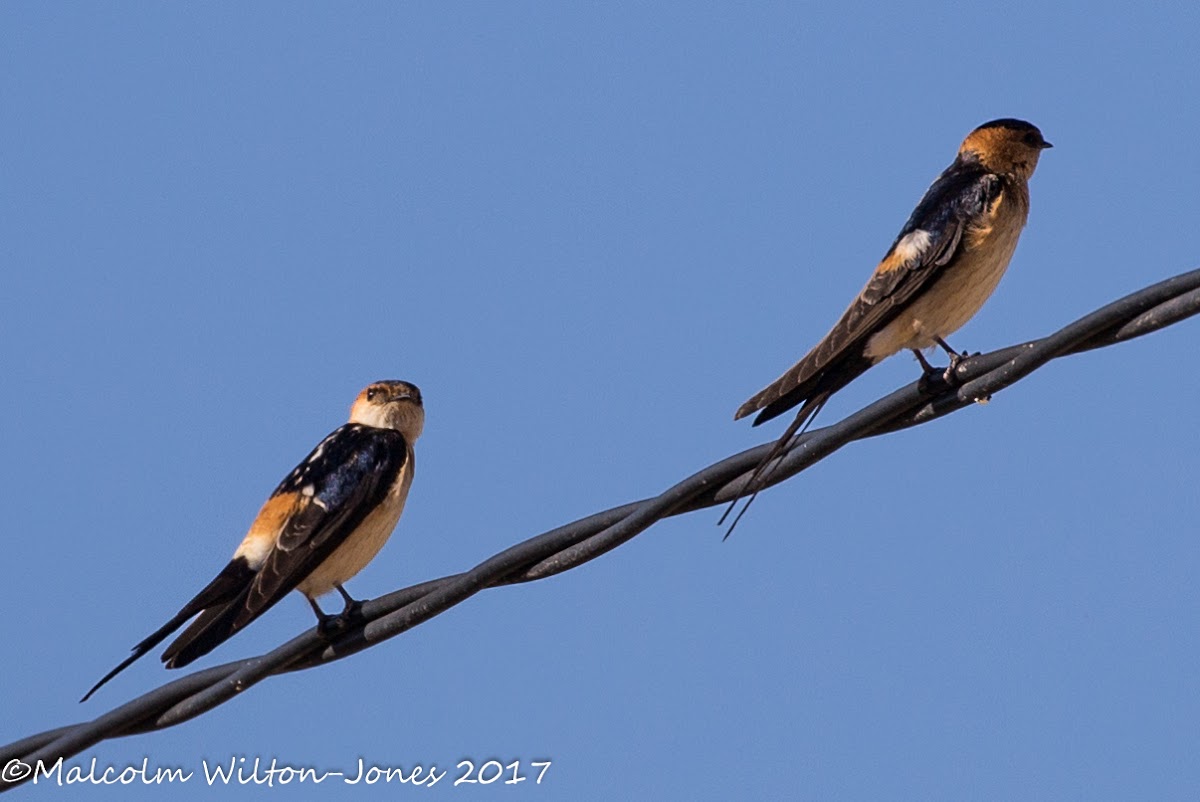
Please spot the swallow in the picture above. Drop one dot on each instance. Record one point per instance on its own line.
(324, 522)
(942, 267)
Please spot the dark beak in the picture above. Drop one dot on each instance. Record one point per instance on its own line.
(1046, 145)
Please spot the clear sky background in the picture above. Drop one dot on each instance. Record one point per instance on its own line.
(588, 233)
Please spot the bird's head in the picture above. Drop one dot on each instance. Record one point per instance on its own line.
(1008, 147)
(390, 405)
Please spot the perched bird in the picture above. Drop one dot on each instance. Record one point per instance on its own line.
(943, 266)
(322, 525)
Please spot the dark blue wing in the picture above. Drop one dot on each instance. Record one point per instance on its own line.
(928, 244)
(344, 478)
(960, 195)
(339, 484)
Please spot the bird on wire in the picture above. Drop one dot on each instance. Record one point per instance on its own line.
(324, 522)
(942, 267)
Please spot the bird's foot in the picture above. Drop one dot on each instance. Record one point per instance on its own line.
(352, 613)
(956, 359)
(951, 374)
(931, 377)
(330, 625)
(333, 625)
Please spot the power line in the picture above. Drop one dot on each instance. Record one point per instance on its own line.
(576, 543)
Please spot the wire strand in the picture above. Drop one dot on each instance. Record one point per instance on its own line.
(976, 378)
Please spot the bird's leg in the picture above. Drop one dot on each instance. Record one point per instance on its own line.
(353, 608)
(928, 373)
(326, 624)
(925, 366)
(329, 625)
(955, 358)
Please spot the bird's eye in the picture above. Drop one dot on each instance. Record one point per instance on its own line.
(1032, 139)
(372, 393)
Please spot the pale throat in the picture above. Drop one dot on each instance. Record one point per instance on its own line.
(408, 421)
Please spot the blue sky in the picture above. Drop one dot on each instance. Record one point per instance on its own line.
(588, 233)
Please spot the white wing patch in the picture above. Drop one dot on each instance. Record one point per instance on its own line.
(913, 246)
(255, 550)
